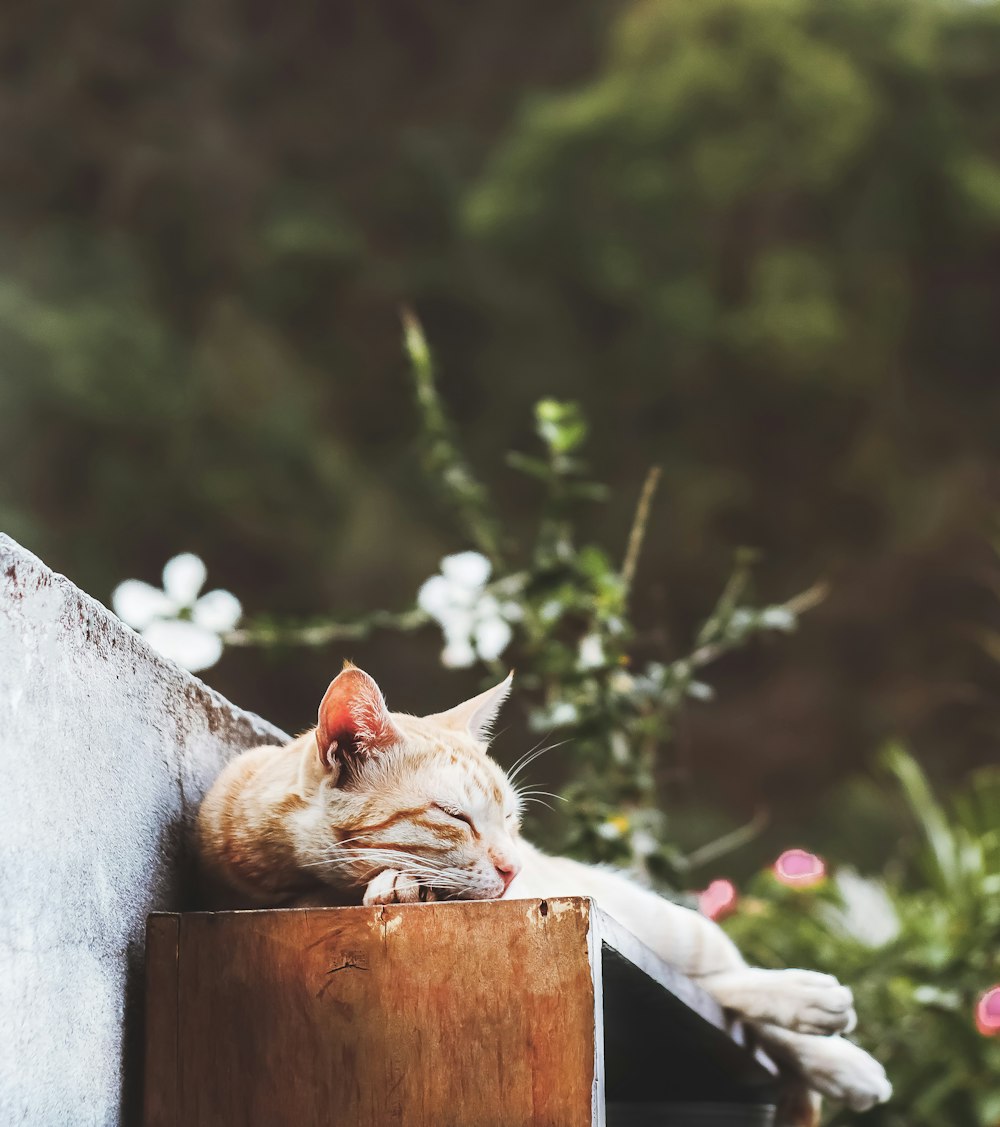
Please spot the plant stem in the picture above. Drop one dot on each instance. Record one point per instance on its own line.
(640, 521)
(324, 633)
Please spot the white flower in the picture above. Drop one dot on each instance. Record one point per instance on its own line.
(623, 683)
(777, 618)
(475, 624)
(550, 610)
(740, 620)
(562, 714)
(591, 652)
(620, 750)
(643, 843)
(868, 914)
(612, 829)
(175, 621)
(466, 569)
(700, 691)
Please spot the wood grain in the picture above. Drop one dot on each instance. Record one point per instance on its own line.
(437, 1015)
(160, 1093)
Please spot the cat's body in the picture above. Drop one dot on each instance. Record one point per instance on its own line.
(380, 807)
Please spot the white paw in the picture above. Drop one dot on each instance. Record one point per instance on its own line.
(392, 887)
(803, 1000)
(843, 1072)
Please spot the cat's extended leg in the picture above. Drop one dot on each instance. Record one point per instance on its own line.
(797, 999)
(394, 887)
(802, 1000)
(836, 1068)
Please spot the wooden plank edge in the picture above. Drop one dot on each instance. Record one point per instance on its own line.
(598, 1106)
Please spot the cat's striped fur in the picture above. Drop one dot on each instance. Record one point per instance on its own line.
(381, 807)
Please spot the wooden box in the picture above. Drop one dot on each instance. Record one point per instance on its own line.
(503, 1014)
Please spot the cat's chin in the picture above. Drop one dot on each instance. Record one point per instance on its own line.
(470, 894)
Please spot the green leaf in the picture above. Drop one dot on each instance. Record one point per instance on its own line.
(560, 425)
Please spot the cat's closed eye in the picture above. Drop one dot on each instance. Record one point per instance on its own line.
(454, 812)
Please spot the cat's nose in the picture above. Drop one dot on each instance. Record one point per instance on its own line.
(507, 868)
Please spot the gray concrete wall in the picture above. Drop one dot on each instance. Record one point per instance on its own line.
(105, 752)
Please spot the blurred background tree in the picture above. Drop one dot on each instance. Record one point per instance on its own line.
(757, 240)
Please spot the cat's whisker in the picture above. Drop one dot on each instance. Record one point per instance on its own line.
(339, 850)
(530, 756)
(526, 762)
(429, 867)
(520, 759)
(524, 797)
(540, 802)
(386, 858)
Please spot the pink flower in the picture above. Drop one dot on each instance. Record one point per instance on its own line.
(988, 1013)
(718, 900)
(799, 869)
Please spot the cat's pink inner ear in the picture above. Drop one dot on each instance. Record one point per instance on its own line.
(353, 719)
(476, 715)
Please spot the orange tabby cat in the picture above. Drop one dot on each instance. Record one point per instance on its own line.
(383, 807)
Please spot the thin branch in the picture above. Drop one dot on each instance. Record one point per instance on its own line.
(445, 463)
(806, 600)
(640, 522)
(728, 842)
(324, 633)
(798, 605)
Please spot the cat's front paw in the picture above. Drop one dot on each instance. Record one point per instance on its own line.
(842, 1071)
(803, 1000)
(393, 887)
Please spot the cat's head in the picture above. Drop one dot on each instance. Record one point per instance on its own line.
(417, 794)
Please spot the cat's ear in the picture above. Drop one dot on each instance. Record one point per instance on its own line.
(476, 715)
(354, 722)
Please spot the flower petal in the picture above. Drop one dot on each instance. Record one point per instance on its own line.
(466, 569)
(718, 900)
(458, 655)
(988, 1012)
(591, 652)
(798, 868)
(184, 577)
(643, 843)
(493, 635)
(512, 611)
(138, 603)
(778, 618)
(457, 626)
(487, 607)
(612, 829)
(185, 643)
(434, 597)
(868, 914)
(562, 714)
(217, 611)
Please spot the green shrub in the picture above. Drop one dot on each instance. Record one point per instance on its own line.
(920, 945)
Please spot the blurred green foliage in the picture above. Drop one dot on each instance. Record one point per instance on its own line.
(919, 946)
(756, 240)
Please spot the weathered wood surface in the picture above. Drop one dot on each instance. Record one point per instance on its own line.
(436, 1015)
(372, 1017)
(162, 950)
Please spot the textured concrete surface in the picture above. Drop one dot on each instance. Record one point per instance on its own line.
(105, 751)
